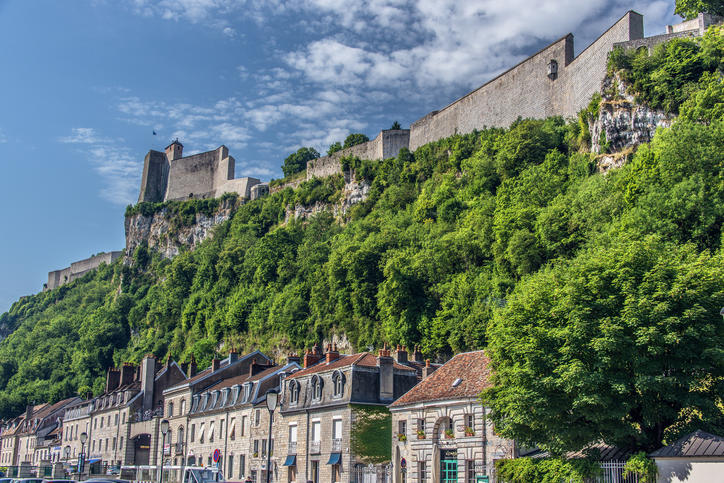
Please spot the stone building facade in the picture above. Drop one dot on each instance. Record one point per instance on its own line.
(323, 402)
(38, 422)
(56, 278)
(170, 176)
(439, 428)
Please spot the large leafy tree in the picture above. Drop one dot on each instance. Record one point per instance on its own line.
(622, 344)
(297, 162)
(354, 139)
(689, 9)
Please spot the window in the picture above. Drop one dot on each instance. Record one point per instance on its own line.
(102, 422)
(337, 384)
(315, 472)
(120, 443)
(221, 429)
(201, 433)
(243, 425)
(109, 420)
(293, 433)
(123, 421)
(470, 471)
(116, 420)
(422, 471)
(95, 423)
(183, 407)
(316, 388)
(337, 429)
(421, 425)
(294, 392)
(336, 474)
(93, 445)
(170, 409)
(256, 448)
(231, 464)
(180, 437)
(114, 443)
(402, 427)
(263, 448)
(211, 432)
(257, 417)
(193, 432)
(316, 431)
(232, 431)
(242, 465)
(107, 440)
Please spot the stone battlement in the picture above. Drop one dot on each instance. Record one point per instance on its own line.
(170, 176)
(77, 269)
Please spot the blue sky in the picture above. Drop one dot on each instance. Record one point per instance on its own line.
(83, 84)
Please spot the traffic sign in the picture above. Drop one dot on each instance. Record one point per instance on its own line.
(217, 455)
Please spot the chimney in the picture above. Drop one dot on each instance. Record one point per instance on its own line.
(192, 366)
(401, 354)
(385, 363)
(332, 353)
(428, 369)
(174, 150)
(310, 357)
(113, 379)
(127, 370)
(255, 368)
(148, 374)
(215, 364)
(416, 354)
(291, 357)
(233, 356)
(28, 412)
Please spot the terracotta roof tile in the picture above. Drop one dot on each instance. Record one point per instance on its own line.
(364, 359)
(473, 368)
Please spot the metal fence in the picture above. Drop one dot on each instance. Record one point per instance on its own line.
(372, 474)
(612, 472)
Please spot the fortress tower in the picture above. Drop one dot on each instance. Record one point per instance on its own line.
(171, 176)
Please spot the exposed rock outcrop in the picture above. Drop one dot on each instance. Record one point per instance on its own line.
(167, 234)
(622, 124)
(353, 192)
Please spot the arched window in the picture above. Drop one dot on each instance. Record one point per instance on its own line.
(337, 384)
(316, 388)
(170, 409)
(183, 407)
(293, 392)
(180, 437)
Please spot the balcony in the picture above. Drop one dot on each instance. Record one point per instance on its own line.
(315, 447)
(336, 445)
(292, 448)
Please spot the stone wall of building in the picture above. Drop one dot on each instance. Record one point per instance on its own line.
(386, 145)
(77, 269)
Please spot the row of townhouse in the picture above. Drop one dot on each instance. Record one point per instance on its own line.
(332, 423)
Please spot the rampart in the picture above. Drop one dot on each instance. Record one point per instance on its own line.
(78, 269)
(386, 145)
(169, 176)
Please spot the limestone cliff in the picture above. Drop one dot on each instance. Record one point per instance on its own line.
(354, 192)
(169, 232)
(622, 124)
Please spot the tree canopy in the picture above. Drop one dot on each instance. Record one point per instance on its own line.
(689, 9)
(355, 139)
(296, 162)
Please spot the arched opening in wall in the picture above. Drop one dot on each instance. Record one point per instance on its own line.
(443, 429)
(141, 449)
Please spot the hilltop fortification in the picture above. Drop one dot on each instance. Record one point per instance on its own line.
(170, 176)
(77, 269)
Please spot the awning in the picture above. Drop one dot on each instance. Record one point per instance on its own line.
(291, 460)
(334, 458)
(94, 460)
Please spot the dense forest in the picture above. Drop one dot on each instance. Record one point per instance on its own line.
(597, 296)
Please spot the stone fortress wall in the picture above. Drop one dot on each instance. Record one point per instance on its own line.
(551, 82)
(170, 176)
(386, 145)
(77, 269)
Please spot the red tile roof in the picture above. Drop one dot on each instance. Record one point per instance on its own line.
(363, 359)
(473, 370)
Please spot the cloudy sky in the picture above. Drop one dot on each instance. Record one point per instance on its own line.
(84, 83)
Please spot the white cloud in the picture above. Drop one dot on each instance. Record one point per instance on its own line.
(3, 137)
(119, 170)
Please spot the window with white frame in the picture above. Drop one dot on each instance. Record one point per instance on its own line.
(316, 388)
(337, 384)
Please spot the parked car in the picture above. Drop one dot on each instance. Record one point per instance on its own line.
(105, 480)
(57, 480)
(6, 480)
(28, 480)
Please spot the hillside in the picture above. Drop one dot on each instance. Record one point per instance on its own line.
(503, 238)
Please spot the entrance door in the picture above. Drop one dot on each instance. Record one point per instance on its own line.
(448, 471)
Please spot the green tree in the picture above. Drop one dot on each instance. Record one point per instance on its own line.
(689, 9)
(296, 162)
(395, 126)
(334, 147)
(355, 139)
(623, 343)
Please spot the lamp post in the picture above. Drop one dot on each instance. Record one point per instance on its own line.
(81, 462)
(272, 398)
(164, 430)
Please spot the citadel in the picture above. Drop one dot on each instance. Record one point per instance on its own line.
(551, 82)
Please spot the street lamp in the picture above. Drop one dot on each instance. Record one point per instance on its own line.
(81, 461)
(272, 398)
(164, 430)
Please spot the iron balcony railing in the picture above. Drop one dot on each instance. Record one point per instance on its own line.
(336, 445)
(292, 448)
(315, 447)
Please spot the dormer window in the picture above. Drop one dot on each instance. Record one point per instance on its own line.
(293, 392)
(204, 400)
(235, 395)
(214, 399)
(194, 403)
(337, 384)
(224, 398)
(247, 391)
(316, 388)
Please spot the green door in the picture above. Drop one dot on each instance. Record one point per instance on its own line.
(448, 471)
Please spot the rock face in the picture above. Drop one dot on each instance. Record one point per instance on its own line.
(165, 233)
(353, 192)
(622, 124)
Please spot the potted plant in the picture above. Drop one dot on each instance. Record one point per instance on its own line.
(420, 434)
(401, 437)
(256, 454)
(449, 434)
(469, 431)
